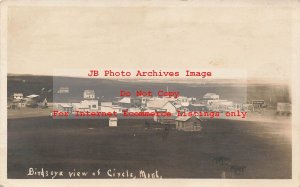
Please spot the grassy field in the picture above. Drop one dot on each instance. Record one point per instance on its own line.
(87, 145)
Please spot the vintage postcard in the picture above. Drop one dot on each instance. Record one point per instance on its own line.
(165, 93)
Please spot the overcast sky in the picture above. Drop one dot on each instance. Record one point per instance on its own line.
(257, 40)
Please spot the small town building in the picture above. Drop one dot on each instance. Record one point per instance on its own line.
(33, 97)
(106, 107)
(89, 94)
(90, 104)
(32, 100)
(145, 100)
(182, 99)
(161, 104)
(188, 123)
(211, 96)
(63, 107)
(136, 102)
(258, 103)
(63, 90)
(165, 120)
(109, 107)
(220, 105)
(197, 107)
(80, 107)
(17, 96)
(22, 103)
(125, 102)
(134, 110)
(113, 122)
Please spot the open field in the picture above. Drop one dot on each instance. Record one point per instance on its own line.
(88, 145)
(28, 112)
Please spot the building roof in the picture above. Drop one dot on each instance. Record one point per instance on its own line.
(89, 91)
(185, 118)
(158, 103)
(125, 100)
(209, 95)
(32, 96)
(185, 103)
(65, 105)
(106, 103)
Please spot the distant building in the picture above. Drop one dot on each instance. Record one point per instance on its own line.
(125, 102)
(284, 108)
(22, 103)
(80, 107)
(258, 103)
(89, 94)
(63, 90)
(197, 107)
(161, 104)
(136, 102)
(188, 123)
(113, 122)
(65, 107)
(33, 96)
(134, 110)
(211, 96)
(165, 120)
(90, 104)
(106, 107)
(145, 100)
(182, 99)
(109, 107)
(220, 105)
(17, 96)
(32, 100)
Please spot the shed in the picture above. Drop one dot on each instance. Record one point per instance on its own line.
(188, 123)
(113, 122)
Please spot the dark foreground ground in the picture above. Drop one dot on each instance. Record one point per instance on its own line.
(264, 149)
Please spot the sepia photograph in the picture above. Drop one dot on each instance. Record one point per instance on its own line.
(176, 93)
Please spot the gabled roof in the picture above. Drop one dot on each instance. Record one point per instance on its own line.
(125, 100)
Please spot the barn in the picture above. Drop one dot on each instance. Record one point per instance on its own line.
(188, 123)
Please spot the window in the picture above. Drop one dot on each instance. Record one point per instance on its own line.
(94, 106)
